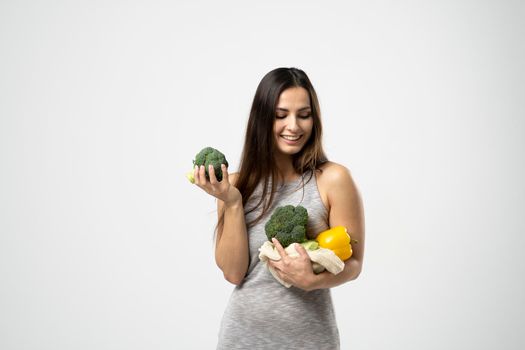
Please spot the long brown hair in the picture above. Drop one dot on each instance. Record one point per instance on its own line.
(257, 160)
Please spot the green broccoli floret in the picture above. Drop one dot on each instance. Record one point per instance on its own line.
(288, 225)
(207, 156)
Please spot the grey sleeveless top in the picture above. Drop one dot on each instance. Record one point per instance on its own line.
(263, 314)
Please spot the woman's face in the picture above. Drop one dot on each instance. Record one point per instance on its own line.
(293, 121)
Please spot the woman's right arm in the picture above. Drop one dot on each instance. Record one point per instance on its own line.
(231, 246)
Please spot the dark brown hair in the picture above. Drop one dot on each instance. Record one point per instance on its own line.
(257, 160)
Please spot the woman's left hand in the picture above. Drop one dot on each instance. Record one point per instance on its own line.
(294, 270)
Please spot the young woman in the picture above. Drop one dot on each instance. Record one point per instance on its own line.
(282, 163)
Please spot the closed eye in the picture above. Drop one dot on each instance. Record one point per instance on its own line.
(304, 116)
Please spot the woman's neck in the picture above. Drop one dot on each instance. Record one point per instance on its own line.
(285, 169)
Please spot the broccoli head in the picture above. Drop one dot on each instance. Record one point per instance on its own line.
(288, 225)
(207, 156)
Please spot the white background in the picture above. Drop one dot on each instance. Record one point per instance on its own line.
(103, 105)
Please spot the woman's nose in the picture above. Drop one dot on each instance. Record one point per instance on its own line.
(292, 124)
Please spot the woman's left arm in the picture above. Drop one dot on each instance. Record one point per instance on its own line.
(345, 209)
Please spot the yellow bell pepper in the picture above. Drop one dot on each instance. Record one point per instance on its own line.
(337, 240)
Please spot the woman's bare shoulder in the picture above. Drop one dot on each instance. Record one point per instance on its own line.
(331, 179)
(332, 172)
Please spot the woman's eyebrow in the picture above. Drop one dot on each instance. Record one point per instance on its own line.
(300, 109)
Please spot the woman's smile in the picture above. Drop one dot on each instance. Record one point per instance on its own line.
(291, 140)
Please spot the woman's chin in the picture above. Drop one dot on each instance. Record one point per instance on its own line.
(289, 150)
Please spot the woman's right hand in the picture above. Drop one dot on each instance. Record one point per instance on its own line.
(222, 190)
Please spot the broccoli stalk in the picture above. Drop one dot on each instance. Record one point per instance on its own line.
(190, 177)
(288, 225)
(207, 156)
(310, 245)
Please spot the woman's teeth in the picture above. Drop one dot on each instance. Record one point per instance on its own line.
(291, 138)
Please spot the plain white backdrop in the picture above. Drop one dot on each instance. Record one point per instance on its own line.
(103, 105)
